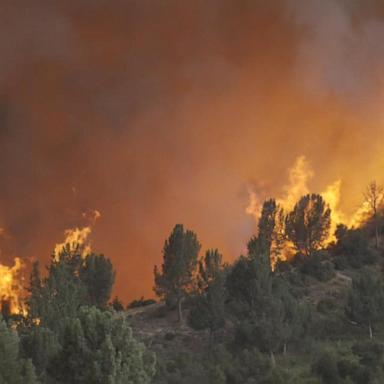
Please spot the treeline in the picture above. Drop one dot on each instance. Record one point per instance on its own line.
(315, 317)
(70, 334)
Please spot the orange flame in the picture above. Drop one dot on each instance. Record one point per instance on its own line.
(11, 287)
(78, 238)
(299, 176)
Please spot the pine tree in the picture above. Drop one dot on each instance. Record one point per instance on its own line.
(13, 369)
(34, 301)
(40, 344)
(10, 367)
(99, 348)
(96, 272)
(307, 226)
(209, 309)
(180, 254)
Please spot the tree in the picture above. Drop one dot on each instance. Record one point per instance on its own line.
(60, 294)
(270, 238)
(374, 195)
(117, 305)
(180, 255)
(307, 226)
(72, 281)
(277, 321)
(34, 301)
(13, 369)
(352, 247)
(365, 302)
(96, 272)
(41, 345)
(209, 309)
(266, 227)
(98, 348)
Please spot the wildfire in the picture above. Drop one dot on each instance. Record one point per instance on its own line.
(11, 287)
(299, 176)
(78, 238)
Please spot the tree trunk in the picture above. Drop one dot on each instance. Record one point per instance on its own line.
(273, 360)
(179, 310)
(370, 331)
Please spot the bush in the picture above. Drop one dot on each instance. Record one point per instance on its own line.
(326, 305)
(352, 248)
(318, 266)
(325, 367)
(140, 303)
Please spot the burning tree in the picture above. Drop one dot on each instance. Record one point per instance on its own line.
(308, 225)
(180, 255)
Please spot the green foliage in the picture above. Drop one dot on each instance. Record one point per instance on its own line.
(365, 301)
(96, 272)
(13, 369)
(209, 305)
(307, 226)
(352, 248)
(363, 364)
(72, 281)
(28, 373)
(180, 254)
(71, 343)
(325, 366)
(220, 366)
(60, 294)
(317, 265)
(99, 348)
(41, 345)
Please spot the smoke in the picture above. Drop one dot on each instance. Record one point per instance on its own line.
(156, 113)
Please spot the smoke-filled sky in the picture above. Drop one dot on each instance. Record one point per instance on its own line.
(163, 112)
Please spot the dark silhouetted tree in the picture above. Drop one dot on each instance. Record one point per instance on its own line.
(209, 308)
(374, 195)
(117, 304)
(175, 278)
(96, 272)
(307, 226)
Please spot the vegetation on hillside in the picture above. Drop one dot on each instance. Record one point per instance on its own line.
(314, 314)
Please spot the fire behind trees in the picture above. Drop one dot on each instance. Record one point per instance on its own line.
(262, 313)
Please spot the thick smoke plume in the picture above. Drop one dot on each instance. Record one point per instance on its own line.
(160, 112)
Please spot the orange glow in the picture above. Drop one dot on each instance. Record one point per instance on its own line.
(299, 176)
(167, 112)
(11, 288)
(78, 238)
